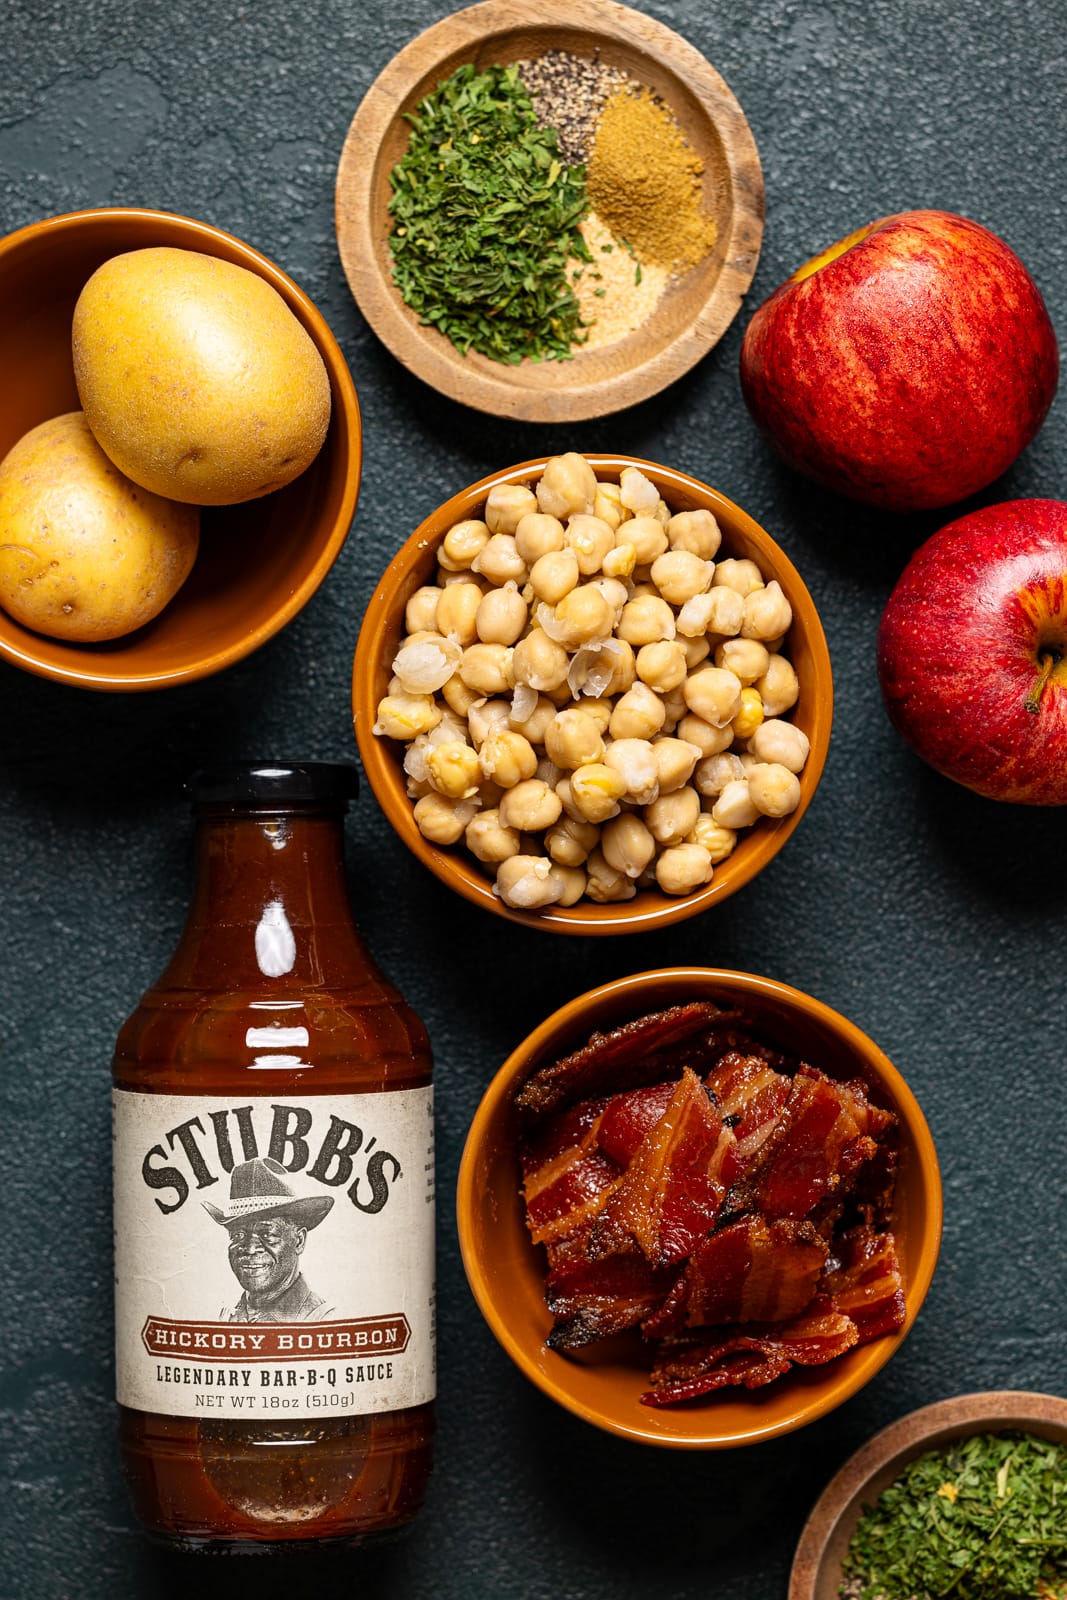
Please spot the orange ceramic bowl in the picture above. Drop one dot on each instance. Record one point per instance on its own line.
(506, 1272)
(383, 628)
(259, 562)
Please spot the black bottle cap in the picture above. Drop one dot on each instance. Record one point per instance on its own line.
(258, 784)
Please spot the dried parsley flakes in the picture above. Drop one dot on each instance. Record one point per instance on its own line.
(485, 219)
(985, 1519)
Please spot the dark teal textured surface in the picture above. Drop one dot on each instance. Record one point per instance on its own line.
(931, 918)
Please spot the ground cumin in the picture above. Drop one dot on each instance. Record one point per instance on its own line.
(644, 183)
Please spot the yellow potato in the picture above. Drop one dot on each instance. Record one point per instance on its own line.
(85, 554)
(196, 378)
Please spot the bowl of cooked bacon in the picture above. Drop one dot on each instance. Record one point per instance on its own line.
(699, 1208)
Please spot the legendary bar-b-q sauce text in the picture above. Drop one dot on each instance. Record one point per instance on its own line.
(273, 1122)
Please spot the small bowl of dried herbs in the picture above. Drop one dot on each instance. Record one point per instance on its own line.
(549, 219)
(966, 1498)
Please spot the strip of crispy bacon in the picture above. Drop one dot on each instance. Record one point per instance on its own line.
(867, 1285)
(670, 1193)
(592, 1300)
(626, 1058)
(818, 1144)
(629, 1118)
(566, 1176)
(750, 1271)
(751, 1094)
(693, 1367)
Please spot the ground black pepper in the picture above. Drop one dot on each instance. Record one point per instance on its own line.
(569, 93)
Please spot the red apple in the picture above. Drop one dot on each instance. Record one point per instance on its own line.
(906, 366)
(972, 652)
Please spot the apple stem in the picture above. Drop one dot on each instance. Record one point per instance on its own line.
(1047, 661)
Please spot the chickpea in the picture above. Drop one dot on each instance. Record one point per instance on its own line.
(501, 616)
(531, 806)
(646, 620)
(443, 820)
(627, 844)
(537, 535)
(778, 687)
(567, 486)
(573, 739)
(716, 840)
(718, 611)
(683, 867)
(526, 883)
(463, 541)
(750, 715)
(582, 615)
(608, 504)
(715, 772)
(605, 883)
(548, 772)
(638, 714)
(625, 669)
(424, 663)
(768, 613)
(488, 839)
(445, 578)
(674, 708)
(487, 668)
(696, 650)
(675, 762)
(695, 531)
(637, 493)
(781, 744)
(743, 576)
(670, 817)
(714, 694)
(620, 562)
(458, 697)
(647, 537)
(486, 717)
(679, 575)
(506, 504)
(734, 808)
(570, 841)
(600, 711)
(747, 659)
(662, 665)
(535, 725)
(403, 716)
(500, 560)
(614, 591)
(635, 762)
(554, 575)
(590, 539)
(710, 741)
(420, 613)
(573, 881)
(507, 758)
(540, 662)
(594, 791)
(457, 608)
(453, 769)
(775, 791)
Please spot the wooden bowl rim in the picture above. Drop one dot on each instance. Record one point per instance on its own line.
(875, 1465)
(649, 908)
(490, 386)
(693, 980)
(204, 235)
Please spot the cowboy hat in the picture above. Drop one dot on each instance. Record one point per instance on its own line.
(260, 1188)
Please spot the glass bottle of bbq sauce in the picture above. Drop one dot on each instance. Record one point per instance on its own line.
(273, 1127)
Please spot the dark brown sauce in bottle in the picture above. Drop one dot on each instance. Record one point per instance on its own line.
(271, 1011)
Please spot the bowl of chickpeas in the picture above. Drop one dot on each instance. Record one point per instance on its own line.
(592, 694)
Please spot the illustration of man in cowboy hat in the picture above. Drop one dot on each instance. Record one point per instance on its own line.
(268, 1222)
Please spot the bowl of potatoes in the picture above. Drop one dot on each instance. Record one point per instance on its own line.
(180, 449)
(592, 694)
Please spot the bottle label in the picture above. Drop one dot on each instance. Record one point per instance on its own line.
(274, 1257)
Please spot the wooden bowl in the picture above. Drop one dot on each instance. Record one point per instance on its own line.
(383, 627)
(695, 311)
(259, 562)
(506, 1271)
(824, 1543)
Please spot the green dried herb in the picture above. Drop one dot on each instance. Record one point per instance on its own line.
(985, 1519)
(485, 220)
